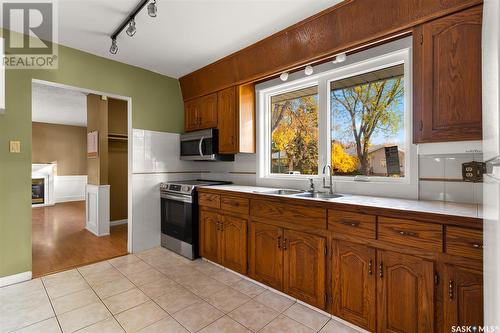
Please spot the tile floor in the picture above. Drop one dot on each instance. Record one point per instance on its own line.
(154, 291)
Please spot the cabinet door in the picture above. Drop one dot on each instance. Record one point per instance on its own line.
(266, 255)
(304, 267)
(191, 115)
(353, 281)
(448, 78)
(405, 297)
(209, 235)
(463, 297)
(207, 111)
(227, 121)
(234, 244)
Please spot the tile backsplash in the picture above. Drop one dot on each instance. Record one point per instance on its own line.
(441, 178)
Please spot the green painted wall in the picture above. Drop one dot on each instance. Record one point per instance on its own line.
(156, 105)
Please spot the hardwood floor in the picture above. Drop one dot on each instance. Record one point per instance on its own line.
(60, 240)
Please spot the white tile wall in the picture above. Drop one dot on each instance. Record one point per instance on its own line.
(448, 186)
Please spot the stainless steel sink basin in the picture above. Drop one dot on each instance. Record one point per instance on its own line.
(318, 195)
(282, 192)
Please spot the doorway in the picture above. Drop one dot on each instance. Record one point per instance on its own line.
(63, 171)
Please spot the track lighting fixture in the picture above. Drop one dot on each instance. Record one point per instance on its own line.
(308, 70)
(339, 58)
(114, 47)
(152, 9)
(129, 23)
(131, 30)
(284, 76)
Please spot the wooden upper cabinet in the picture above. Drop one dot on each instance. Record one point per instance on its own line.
(266, 255)
(447, 78)
(236, 119)
(405, 293)
(200, 113)
(463, 297)
(234, 244)
(209, 235)
(353, 281)
(305, 267)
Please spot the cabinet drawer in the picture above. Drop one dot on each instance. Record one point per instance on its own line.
(209, 200)
(312, 217)
(354, 224)
(234, 204)
(425, 236)
(464, 242)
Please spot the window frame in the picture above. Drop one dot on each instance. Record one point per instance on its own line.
(379, 57)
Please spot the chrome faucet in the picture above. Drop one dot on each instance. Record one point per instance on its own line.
(330, 187)
(312, 189)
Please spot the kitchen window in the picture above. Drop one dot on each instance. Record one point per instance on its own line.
(354, 116)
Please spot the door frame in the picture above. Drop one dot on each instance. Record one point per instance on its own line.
(129, 144)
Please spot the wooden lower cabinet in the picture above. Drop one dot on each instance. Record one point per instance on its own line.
(266, 257)
(305, 267)
(353, 282)
(223, 239)
(462, 297)
(405, 293)
(209, 235)
(234, 243)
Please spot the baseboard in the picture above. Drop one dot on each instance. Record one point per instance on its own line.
(70, 198)
(16, 278)
(118, 222)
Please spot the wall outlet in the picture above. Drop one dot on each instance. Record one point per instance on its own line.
(15, 146)
(473, 171)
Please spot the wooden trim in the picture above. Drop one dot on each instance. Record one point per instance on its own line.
(350, 24)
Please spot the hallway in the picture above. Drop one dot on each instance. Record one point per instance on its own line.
(60, 240)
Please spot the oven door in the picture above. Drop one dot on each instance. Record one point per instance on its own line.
(177, 216)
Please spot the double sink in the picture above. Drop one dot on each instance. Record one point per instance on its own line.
(301, 194)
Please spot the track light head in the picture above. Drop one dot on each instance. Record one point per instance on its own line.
(308, 70)
(114, 47)
(339, 58)
(131, 30)
(284, 76)
(152, 9)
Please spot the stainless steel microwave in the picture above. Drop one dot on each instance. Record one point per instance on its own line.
(202, 146)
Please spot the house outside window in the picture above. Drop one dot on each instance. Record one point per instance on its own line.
(355, 116)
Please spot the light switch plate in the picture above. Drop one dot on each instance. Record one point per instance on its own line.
(15, 146)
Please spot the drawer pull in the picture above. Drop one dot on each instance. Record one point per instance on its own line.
(477, 246)
(285, 244)
(353, 224)
(381, 270)
(370, 267)
(406, 233)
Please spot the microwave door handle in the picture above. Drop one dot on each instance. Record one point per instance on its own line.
(199, 146)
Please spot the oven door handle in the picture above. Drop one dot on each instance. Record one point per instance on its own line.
(199, 146)
(180, 198)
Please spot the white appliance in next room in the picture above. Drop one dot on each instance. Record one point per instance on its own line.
(491, 153)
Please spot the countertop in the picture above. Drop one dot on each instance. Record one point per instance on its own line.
(420, 206)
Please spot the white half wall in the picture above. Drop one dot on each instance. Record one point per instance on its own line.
(69, 188)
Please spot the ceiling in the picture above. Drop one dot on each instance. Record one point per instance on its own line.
(54, 105)
(185, 36)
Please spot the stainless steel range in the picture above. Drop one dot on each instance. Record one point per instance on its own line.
(179, 215)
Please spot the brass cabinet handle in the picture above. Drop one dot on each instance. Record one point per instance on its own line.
(477, 246)
(406, 233)
(349, 223)
(285, 244)
(381, 270)
(370, 267)
(279, 242)
(451, 288)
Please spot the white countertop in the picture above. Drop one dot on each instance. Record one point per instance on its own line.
(434, 207)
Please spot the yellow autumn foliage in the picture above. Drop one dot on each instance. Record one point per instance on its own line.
(341, 161)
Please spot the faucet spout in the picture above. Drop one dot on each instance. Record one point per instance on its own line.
(330, 174)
